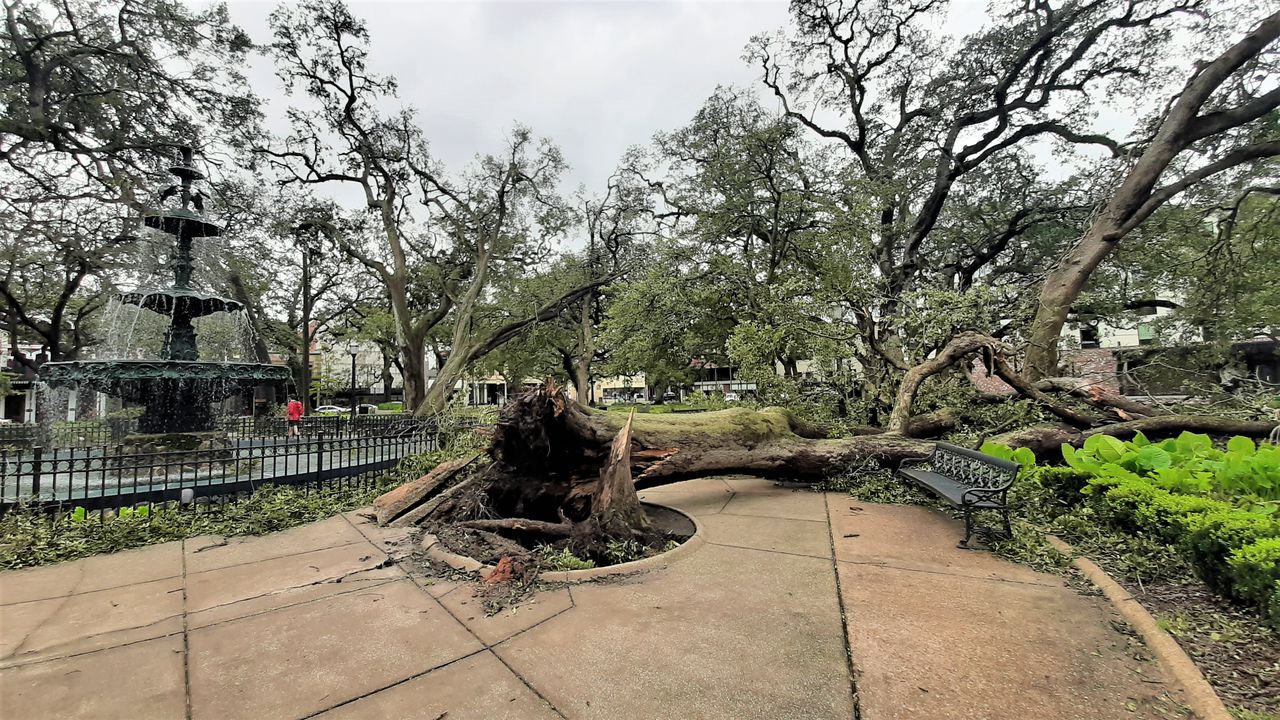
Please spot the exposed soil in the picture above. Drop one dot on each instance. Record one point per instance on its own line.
(1237, 653)
(673, 525)
(667, 526)
(519, 577)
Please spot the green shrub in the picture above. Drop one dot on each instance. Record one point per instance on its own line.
(1244, 472)
(1064, 483)
(391, 406)
(1215, 536)
(1255, 571)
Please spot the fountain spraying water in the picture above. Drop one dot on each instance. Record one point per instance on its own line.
(177, 389)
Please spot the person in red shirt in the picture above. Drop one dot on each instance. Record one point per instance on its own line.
(293, 411)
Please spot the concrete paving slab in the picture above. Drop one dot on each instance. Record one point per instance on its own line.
(707, 501)
(293, 596)
(492, 629)
(438, 587)
(781, 503)
(724, 633)
(89, 621)
(946, 646)
(306, 658)
(801, 537)
(746, 483)
(331, 532)
(232, 584)
(698, 485)
(143, 680)
(396, 541)
(916, 538)
(479, 687)
(93, 573)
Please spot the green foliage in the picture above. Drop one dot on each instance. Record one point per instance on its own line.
(1255, 571)
(1216, 537)
(553, 559)
(1023, 456)
(1063, 483)
(30, 537)
(396, 406)
(1216, 506)
(621, 551)
(1244, 472)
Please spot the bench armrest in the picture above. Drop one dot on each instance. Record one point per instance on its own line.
(980, 494)
(920, 462)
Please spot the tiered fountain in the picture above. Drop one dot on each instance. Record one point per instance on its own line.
(177, 389)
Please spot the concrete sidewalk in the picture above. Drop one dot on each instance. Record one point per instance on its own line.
(761, 622)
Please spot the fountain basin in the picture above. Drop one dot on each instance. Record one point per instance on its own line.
(180, 302)
(126, 378)
(177, 393)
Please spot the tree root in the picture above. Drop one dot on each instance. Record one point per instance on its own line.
(541, 527)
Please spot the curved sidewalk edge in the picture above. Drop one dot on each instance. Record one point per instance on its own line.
(1200, 696)
(435, 551)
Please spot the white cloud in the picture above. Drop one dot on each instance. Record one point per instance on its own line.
(595, 77)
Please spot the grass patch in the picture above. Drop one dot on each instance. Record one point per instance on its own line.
(553, 560)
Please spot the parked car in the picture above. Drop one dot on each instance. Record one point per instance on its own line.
(669, 396)
(366, 409)
(332, 409)
(732, 397)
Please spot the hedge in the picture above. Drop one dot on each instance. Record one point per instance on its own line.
(1236, 551)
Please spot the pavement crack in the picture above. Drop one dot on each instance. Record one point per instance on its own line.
(844, 615)
(52, 614)
(222, 543)
(186, 636)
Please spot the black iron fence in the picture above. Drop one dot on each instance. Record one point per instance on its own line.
(90, 433)
(81, 433)
(105, 477)
(335, 425)
(117, 475)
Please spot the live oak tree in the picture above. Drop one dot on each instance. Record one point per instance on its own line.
(94, 89)
(916, 116)
(1223, 118)
(434, 240)
(59, 265)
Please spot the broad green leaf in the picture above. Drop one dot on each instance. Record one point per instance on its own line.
(1153, 457)
(1242, 445)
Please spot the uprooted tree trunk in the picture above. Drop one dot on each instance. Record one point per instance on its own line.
(561, 470)
(1045, 440)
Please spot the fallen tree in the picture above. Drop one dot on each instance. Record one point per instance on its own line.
(561, 472)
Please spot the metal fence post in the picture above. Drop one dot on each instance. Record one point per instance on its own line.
(319, 456)
(36, 457)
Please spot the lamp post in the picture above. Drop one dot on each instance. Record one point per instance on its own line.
(353, 348)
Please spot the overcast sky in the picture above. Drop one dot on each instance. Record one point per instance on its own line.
(595, 77)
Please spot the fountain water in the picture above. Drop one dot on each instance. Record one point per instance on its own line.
(176, 387)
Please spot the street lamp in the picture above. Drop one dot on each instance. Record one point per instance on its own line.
(353, 348)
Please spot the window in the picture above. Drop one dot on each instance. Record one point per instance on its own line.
(1146, 334)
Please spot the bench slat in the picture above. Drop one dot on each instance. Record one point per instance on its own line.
(946, 488)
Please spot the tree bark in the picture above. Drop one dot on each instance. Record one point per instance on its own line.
(1099, 397)
(586, 352)
(960, 346)
(1046, 440)
(1138, 197)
